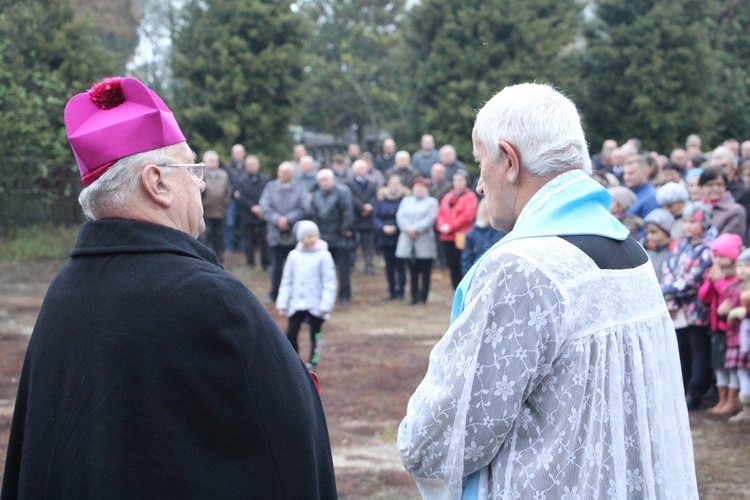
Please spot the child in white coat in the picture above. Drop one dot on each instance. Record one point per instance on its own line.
(308, 287)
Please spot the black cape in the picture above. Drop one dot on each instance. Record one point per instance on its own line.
(153, 373)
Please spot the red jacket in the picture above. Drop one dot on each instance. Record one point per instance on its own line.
(458, 212)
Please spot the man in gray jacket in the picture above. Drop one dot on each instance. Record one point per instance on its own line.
(283, 203)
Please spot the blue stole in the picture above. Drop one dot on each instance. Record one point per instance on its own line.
(570, 204)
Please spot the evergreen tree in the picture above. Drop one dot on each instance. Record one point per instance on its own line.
(237, 74)
(461, 53)
(728, 33)
(351, 81)
(115, 22)
(648, 72)
(152, 64)
(46, 56)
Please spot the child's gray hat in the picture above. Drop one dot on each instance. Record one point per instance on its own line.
(699, 211)
(622, 196)
(303, 227)
(661, 218)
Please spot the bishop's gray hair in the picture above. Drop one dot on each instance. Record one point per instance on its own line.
(119, 183)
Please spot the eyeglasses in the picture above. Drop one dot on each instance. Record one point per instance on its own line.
(715, 185)
(195, 168)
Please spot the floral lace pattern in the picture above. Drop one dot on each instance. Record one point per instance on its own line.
(543, 386)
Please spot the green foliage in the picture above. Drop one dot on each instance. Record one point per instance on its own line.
(237, 74)
(36, 243)
(648, 72)
(158, 26)
(457, 55)
(115, 23)
(350, 75)
(730, 97)
(46, 56)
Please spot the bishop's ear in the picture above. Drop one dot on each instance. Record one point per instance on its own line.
(155, 185)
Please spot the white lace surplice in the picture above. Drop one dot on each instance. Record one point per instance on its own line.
(557, 382)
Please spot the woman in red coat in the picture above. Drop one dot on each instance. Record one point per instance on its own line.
(457, 210)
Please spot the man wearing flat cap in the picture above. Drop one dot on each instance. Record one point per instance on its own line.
(151, 372)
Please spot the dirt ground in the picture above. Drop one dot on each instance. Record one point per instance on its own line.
(374, 355)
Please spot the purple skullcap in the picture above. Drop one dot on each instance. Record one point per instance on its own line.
(117, 117)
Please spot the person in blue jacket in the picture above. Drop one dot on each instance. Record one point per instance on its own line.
(479, 238)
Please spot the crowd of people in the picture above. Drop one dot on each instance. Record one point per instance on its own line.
(690, 213)
(413, 210)
(152, 371)
(421, 209)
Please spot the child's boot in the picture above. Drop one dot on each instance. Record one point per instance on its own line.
(722, 390)
(744, 415)
(732, 405)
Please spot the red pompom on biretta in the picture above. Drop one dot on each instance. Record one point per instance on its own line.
(107, 94)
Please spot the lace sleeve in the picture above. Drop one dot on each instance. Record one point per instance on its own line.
(482, 371)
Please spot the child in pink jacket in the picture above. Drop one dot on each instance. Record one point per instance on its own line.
(721, 291)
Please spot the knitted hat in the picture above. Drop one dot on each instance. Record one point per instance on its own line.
(623, 196)
(700, 212)
(727, 245)
(303, 227)
(117, 117)
(661, 218)
(671, 192)
(744, 256)
(419, 180)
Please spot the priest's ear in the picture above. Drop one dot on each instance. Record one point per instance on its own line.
(514, 160)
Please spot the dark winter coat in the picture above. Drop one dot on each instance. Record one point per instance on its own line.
(407, 174)
(452, 168)
(384, 162)
(250, 188)
(234, 169)
(363, 193)
(478, 240)
(153, 373)
(333, 213)
(385, 215)
(439, 190)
